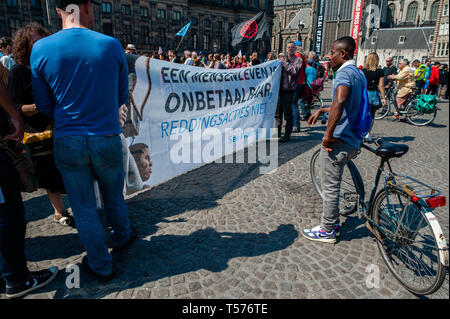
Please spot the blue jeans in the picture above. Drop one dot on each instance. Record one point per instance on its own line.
(13, 264)
(80, 159)
(296, 115)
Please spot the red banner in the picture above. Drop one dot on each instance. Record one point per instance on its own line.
(357, 21)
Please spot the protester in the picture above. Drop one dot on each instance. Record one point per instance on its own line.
(389, 69)
(237, 62)
(228, 62)
(254, 60)
(195, 59)
(6, 49)
(244, 62)
(87, 146)
(375, 84)
(20, 89)
(187, 56)
(131, 48)
(210, 63)
(217, 62)
(291, 67)
(13, 264)
(427, 79)
(340, 144)
(434, 79)
(4, 74)
(269, 57)
(202, 58)
(298, 94)
(173, 56)
(443, 81)
(405, 84)
(420, 74)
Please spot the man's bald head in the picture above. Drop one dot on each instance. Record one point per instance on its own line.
(347, 44)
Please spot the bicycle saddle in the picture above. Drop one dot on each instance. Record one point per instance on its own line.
(388, 150)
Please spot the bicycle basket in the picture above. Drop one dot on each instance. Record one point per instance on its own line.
(426, 103)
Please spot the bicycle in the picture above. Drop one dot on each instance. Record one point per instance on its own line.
(400, 216)
(412, 114)
(314, 102)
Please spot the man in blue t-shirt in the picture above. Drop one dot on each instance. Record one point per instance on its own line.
(80, 79)
(340, 143)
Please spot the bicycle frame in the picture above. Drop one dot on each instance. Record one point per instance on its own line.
(365, 210)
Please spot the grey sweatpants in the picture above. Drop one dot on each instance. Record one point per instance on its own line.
(332, 166)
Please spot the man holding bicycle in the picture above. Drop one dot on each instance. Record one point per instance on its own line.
(340, 144)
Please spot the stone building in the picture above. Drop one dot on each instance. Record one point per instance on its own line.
(441, 35)
(150, 24)
(293, 21)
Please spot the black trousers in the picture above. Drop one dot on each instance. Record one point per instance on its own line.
(284, 107)
(13, 265)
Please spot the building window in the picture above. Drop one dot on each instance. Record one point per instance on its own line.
(14, 25)
(127, 34)
(126, 9)
(434, 11)
(219, 25)
(106, 7)
(143, 12)
(195, 40)
(145, 35)
(161, 14)
(443, 29)
(206, 42)
(245, 3)
(219, 43)
(374, 40)
(411, 14)
(431, 38)
(177, 16)
(391, 13)
(108, 29)
(445, 10)
(11, 3)
(194, 21)
(401, 39)
(219, 2)
(291, 17)
(424, 58)
(162, 36)
(207, 23)
(35, 3)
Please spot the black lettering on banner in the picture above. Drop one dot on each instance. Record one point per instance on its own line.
(164, 75)
(228, 98)
(168, 102)
(209, 99)
(237, 95)
(173, 75)
(187, 100)
(219, 92)
(200, 97)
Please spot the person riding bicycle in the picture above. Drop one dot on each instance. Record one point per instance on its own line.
(340, 143)
(405, 84)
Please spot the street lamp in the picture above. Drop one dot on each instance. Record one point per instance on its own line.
(215, 46)
(301, 25)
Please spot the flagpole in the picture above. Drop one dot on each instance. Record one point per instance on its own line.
(179, 43)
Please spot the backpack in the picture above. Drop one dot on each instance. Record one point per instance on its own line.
(363, 122)
(317, 85)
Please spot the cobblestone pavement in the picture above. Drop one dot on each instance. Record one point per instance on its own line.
(225, 231)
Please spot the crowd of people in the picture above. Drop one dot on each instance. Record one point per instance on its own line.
(76, 118)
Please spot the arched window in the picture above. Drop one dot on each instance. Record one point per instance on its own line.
(411, 14)
(434, 11)
(391, 13)
(291, 17)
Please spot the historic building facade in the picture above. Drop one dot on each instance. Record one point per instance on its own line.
(151, 24)
(440, 50)
(293, 21)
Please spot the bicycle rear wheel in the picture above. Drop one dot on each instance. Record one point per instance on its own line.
(419, 118)
(408, 245)
(348, 198)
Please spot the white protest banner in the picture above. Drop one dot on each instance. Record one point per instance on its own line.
(181, 117)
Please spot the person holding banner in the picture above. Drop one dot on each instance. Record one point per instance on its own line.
(87, 145)
(291, 67)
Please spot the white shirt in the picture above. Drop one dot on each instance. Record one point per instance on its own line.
(189, 61)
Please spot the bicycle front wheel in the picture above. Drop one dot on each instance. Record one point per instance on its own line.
(419, 118)
(409, 246)
(348, 198)
(383, 111)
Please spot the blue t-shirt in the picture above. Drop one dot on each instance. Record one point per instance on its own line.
(347, 76)
(311, 75)
(80, 78)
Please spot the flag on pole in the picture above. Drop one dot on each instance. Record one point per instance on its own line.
(240, 54)
(253, 29)
(160, 51)
(185, 29)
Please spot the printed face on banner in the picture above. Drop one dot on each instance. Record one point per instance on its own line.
(189, 116)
